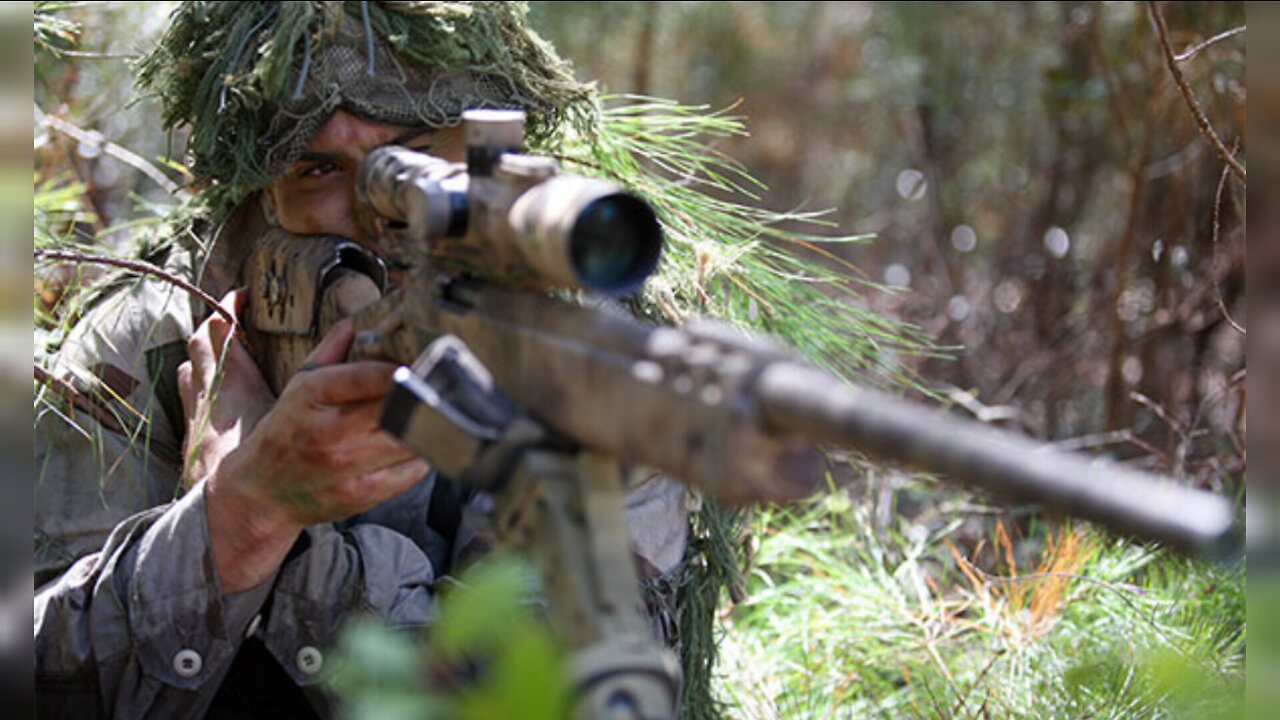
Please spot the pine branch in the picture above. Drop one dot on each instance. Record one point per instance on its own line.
(728, 258)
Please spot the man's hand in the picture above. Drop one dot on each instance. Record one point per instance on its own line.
(318, 455)
(223, 393)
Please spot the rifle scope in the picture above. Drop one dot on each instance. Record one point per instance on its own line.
(510, 217)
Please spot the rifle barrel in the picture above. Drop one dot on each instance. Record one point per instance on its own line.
(807, 401)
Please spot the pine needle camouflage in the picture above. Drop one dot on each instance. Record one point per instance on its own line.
(257, 80)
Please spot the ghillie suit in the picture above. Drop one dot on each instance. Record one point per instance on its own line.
(255, 81)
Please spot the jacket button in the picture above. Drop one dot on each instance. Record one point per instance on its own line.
(309, 660)
(187, 663)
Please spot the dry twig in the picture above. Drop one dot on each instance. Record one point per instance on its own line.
(94, 55)
(1213, 265)
(124, 155)
(1195, 49)
(1162, 32)
(147, 269)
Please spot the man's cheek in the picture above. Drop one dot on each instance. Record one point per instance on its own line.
(315, 218)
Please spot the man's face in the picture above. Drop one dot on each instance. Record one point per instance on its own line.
(317, 195)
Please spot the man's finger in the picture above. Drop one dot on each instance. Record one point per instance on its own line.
(367, 451)
(219, 336)
(363, 415)
(334, 346)
(234, 301)
(199, 346)
(185, 391)
(348, 383)
(206, 345)
(388, 446)
(387, 482)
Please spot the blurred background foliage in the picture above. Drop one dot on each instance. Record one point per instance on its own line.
(1034, 181)
(1043, 205)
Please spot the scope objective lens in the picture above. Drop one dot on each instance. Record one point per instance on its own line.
(615, 244)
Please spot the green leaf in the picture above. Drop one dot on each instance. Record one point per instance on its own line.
(490, 603)
(525, 681)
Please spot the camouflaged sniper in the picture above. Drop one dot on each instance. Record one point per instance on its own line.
(256, 80)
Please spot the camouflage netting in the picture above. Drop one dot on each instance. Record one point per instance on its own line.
(256, 80)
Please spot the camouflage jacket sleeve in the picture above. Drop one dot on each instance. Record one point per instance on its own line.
(118, 449)
(140, 629)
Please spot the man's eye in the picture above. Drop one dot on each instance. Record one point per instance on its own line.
(318, 170)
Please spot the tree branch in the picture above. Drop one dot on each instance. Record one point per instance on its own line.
(124, 155)
(1195, 49)
(93, 55)
(1213, 266)
(1162, 32)
(148, 269)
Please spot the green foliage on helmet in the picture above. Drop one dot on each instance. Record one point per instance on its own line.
(256, 80)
